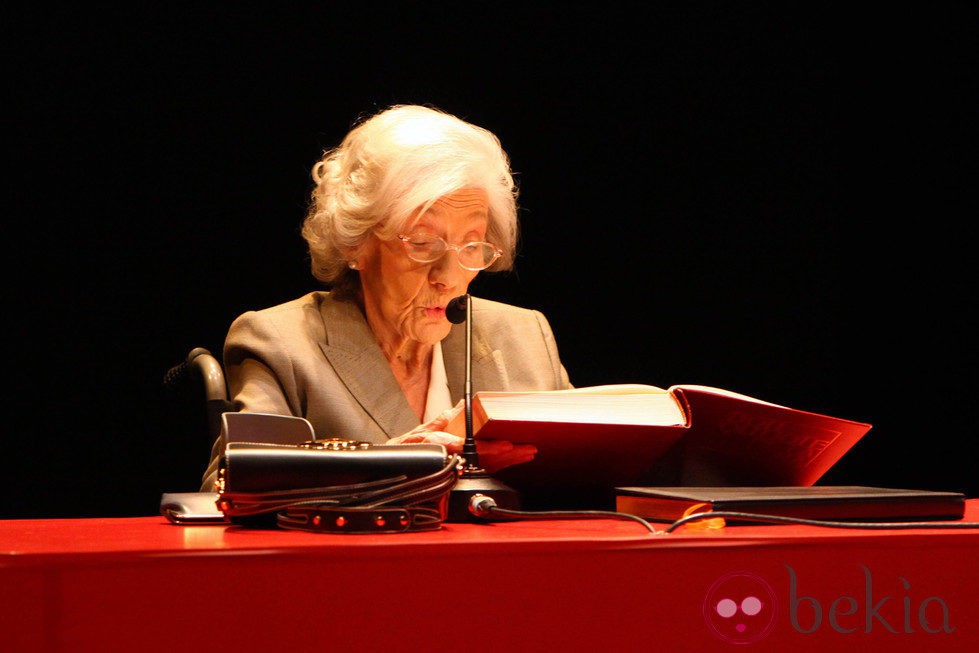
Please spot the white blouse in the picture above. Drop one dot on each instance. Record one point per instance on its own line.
(439, 399)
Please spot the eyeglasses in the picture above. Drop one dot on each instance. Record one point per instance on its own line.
(425, 248)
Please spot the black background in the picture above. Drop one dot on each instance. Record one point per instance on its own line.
(766, 197)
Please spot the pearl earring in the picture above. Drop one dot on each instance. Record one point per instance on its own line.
(352, 265)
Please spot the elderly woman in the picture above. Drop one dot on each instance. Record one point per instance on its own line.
(411, 206)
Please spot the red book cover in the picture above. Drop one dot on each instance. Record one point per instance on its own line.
(746, 441)
(603, 436)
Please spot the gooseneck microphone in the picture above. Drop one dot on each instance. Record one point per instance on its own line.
(457, 311)
(473, 480)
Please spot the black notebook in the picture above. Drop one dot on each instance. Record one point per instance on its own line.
(830, 502)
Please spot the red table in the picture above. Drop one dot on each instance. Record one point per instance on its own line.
(142, 584)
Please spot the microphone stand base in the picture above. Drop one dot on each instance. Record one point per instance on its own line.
(477, 481)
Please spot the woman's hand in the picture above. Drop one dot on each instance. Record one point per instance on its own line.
(494, 455)
(433, 432)
(497, 454)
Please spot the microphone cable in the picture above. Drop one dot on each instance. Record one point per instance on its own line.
(483, 506)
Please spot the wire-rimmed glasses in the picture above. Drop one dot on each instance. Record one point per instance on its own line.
(427, 248)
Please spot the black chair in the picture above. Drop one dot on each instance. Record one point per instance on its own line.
(201, 374)
(195, 426)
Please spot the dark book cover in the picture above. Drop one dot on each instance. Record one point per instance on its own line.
(836, 502)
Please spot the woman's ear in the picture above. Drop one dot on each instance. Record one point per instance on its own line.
(357, 256)
(349, 254)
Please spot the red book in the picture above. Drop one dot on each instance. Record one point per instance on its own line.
(604, 436)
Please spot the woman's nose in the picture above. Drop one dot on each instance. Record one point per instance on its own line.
(447, 271)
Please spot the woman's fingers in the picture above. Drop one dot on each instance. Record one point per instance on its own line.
(497, 454)
(493, 454)
(452, 443)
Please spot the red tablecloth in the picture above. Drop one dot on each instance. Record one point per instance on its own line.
(143, 584)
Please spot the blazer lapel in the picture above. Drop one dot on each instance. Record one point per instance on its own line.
(357, 359)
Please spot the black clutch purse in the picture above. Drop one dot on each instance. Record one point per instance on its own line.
(338, 486)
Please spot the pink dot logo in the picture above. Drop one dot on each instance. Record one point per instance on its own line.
(740, 608)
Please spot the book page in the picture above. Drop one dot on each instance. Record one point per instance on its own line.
(611, 389)
(652, 408)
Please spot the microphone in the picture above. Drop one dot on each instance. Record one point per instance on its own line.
(457, 311)
(473, 480)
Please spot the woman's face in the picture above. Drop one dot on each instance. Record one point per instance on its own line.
(408, 297)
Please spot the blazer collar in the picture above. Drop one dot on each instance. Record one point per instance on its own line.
(358, 361)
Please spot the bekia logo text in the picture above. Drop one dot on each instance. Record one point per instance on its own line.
(742, 607)
(871, 610)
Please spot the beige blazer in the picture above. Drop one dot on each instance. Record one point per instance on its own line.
(315, 357)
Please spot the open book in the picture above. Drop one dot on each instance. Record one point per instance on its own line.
(594, 438)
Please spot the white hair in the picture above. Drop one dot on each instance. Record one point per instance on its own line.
(394, 165)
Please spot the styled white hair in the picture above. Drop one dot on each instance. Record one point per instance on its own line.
(394, 165)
